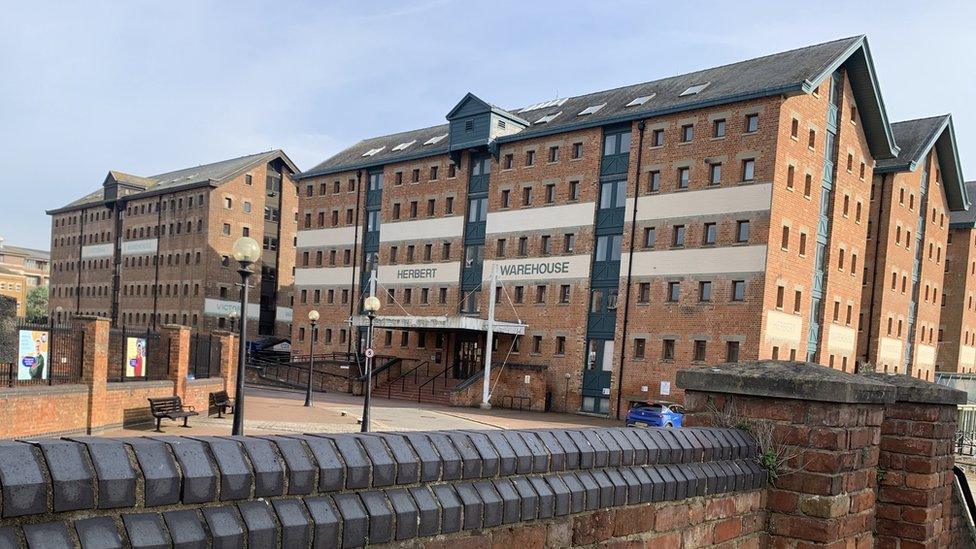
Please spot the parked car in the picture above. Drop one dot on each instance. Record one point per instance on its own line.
(655, 414)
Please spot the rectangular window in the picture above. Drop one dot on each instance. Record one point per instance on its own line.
(569, 242)
(431, 205)
(550, 193)
(574, 190)
(752, 123)
(526, 196)
(506, 198)
(748, 169)
(564, 293)
(644, 292)
(529, 158)
(684, 175)
(639, 348)
(523, 245)
(699, 351)
(500, 247)
(449, 205)
(657, 138)
(674, 292)
(654, 181)
(546, 244)
(705, 291)
(742, 231)
(687, 133)
(519, 294)
(738, 290)
(398, 178)
(540, 294)
(554, 154)
(650, 235)
(732, 351)
(785, 243)
(433, 172)
(667, 349)
(709, 233)
(577, 150)
(797, 298)
(718, 128)
(678, 236)
(508, 161)
(536, 344)
(715, 173)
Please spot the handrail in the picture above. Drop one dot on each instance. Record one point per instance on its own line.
(384, 368)
(403, 375)
(435, 376)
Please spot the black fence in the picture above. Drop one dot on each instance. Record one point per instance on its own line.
(137, 355)
(204, 356)
(41, 353)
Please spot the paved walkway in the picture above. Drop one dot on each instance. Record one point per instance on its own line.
(269, 411)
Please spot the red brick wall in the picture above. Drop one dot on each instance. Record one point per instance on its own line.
(127, 403)
(508, 390)
(958, 320)
(43, 410)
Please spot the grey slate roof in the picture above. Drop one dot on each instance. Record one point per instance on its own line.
(216, 172)
(914, 137)
(790, 72)
(32, 253)
(965, 218)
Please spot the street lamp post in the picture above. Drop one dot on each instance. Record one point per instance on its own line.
(246, 251)
(371, 304)
(313, 317)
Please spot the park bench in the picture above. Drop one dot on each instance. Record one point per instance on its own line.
(221, 401)
(170, 408)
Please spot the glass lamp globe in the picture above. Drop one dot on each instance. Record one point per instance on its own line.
(247, 250)
(371, 304)
(313, 315)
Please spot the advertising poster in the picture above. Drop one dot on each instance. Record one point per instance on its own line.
(32, 355)
(135, 357)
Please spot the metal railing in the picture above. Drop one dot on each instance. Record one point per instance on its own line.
(433, 382)
(41, 353)
(137, 355)
(204, 355)
(294, 374)
(402, 378)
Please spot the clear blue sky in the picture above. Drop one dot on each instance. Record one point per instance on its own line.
(151, 87)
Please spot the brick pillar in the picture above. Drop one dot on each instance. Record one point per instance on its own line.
(178, 338)
(824, 422)
(94, 366)
(228, 361)
(915, 465)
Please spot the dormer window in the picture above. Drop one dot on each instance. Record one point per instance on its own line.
(637, 101)
(435, 140)
(548, 118)
(371, 152)
(591, 109)
(693, 90)
(402, 146)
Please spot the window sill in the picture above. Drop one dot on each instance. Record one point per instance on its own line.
(716, 138)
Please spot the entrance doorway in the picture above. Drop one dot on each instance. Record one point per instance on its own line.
(468, 356)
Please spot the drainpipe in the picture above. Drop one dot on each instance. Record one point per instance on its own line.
(630, 264)
(156, 260)
(877, 268)
(353, 299)
(81, 261)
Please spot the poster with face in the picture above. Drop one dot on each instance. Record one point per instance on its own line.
(32, 355)
(135, 356)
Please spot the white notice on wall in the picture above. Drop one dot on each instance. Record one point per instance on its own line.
(665, 388)
(527, 379)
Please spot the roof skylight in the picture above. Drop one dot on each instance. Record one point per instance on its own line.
(591, 109)
(402, 146)
(545, 104)
(548, 118)
(692, 90)
(371, 152)
(641, 100)
(435, 139)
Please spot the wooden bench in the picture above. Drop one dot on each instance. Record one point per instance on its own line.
(221, 401)
(170, 408)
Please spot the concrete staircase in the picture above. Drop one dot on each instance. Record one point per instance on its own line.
(437, 391)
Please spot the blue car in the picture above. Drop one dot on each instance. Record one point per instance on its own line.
(655, 414)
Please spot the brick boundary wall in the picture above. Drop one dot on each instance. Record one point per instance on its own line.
(868, 457)
(94, 404)
(470, 488)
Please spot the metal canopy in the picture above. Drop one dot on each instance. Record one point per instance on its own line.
(468, 323)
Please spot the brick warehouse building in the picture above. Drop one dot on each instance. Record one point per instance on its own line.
(148, 251)
(718, 215)
(911, 198)
(957, 330)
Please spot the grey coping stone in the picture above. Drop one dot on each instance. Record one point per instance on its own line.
(262, 531)
(146, 530)
(25, 488)
(587, 455)
(493, 503)
(355, 523)
(600, 438)
(759, 475)
(658, 483)
(681, 443)
(163, 483)
(451, 459)
(717, 477)
(607, 488)
(546, 507)
(726, 449)
(72, 478)
(511, 500)
(719, 449)
(654, 454)
(380, 516)
(98, 533)
(451, 507)
(676, 452)
(562, 494)
(742, 476)
(911, 389)
(639, 449)
(226, 530)
(116, 477)
(486, 452)
(199, 477)
(10, 537)
(470, 459)
(591, 489)
(383, 464)
(471, 505)
(670, 483)
(430, 460)
(601, 453)
(711, 477)
(786, 379)
(186, 529)
(681, 488)
(407, 462)
(696, 479)
(689, 440)
(646, 485)
(523, 455)
(577, 491)
(730, 474)
(357, 462)
(570, 450)
(702, 444)
(633, 486)
(428, 511)
(296, 528)
(298, 464)
(626, 446)
(331, 470)
(506, 454)
(325, 520)
(405, 510)
(527, 496)
(48, 535)
(550, 457)
(235, 474)
(267, 464)
(746, 442)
